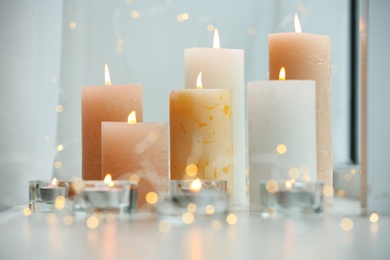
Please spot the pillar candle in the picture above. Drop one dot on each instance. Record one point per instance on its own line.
(282, 133)
(224, 69)
(201, 135)
(140, 150)
(307, 56)
(104, 103)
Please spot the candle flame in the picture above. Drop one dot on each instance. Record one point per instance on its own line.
(107, 80)
(216, 43)
(54, 182)
(132, 119)
(288, 185)
(297, 24)
(108, 180)
(282, 74)
(196, 185)
(199, 81)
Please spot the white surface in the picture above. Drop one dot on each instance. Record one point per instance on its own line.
(251, 238)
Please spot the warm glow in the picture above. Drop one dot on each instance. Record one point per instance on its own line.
(60, 202)
(374, 217)
(108, 180)
(191, 170)
(288, 185)
(297, 24)
(92, 222)
(58, 164)
(60, 147)
(281, 149)
(282, 74)
(327, 190)
(216, 43)
(346, 224)
(54, 182)
(191, 207)
(272, 186)
(210, 209)
(27, 212)
(151, 197)
(199, 81)
(231, 219)
(196, 185)
(188, 218)
(132, 118)
(107, 80)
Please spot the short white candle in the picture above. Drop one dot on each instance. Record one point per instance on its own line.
(282, 132)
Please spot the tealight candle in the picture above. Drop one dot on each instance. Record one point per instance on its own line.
(43, 194)
(200, 198)
(52, 191)
(116, 196)
(288, 198)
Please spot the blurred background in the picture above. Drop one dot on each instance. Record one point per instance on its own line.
(50, 49)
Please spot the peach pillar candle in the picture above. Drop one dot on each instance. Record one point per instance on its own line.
(307, 56)
(201, 135)
(104, 103)
(137, 150)
(224, 69)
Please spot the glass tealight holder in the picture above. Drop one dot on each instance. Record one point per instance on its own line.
(285, 198)
(210, 200)
(43, 195)
(118, 196)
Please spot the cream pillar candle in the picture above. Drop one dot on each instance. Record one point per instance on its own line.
(307, 56)
(104, 103)
(224, 69)
(282, 133)
(201, 135)
(137, 150)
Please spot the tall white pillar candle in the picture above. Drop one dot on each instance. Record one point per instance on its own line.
(224, 69)
(282, 133)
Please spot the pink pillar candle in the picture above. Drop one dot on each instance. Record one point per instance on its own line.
(104, 103)
(140, 150)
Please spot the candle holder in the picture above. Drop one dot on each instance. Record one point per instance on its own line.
(287, 198)
(119, 196)
(210, 201)
(43, 195)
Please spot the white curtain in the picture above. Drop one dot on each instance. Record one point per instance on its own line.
(51, 48)
(31, 34)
